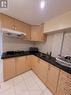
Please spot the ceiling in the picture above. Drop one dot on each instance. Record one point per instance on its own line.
(30, 12)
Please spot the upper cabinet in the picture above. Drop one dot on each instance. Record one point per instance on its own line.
(23, 27)
(33, 32)
(28, 31)
(19, 26)
(7, 22)
(59, 23)
(14, 24)
(37, 32)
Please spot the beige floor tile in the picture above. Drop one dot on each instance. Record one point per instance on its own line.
(46, 92)
(20, 87)
(18, 79)
(6, 85)
(35, 92)
(8, 92)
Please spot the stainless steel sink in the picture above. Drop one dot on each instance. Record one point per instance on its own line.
(63, 62)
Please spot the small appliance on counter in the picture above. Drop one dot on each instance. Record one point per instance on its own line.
(33, 50)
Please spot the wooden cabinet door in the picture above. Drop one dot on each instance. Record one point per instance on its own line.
(23, 27)
(28, 63)
(36, 33)
(19, 26)
(43, 70)
(20, 64)
(35, 61)
(8, 68)
(28, 32)
(64, 84)
(53, 75)
(7, 22)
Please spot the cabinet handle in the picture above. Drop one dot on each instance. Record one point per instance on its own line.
(13, 27)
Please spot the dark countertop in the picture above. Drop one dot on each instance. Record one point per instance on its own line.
(5, 56)
(43, 56)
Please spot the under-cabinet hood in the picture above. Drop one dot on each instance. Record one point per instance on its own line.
(13, 33)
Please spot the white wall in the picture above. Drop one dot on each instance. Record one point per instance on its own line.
(58, 23)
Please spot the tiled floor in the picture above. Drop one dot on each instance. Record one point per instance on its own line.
(25, 84)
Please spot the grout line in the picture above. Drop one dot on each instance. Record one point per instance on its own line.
(26, 85)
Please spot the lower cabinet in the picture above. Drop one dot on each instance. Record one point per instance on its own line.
(15, 66)
(28, 65)
(43, 70)
(9, 68)
(58, 81)
(35, 62)
(20, 64)
(53, 76)
(64, 85)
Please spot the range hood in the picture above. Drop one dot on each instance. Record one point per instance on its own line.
(13, 33)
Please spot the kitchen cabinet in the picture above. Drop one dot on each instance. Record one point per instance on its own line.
(15, 66)
(53, 76)
(9, 68)
(7, 22)
(35, 62)
(23, 27)
(28, 63)
(11, 23)
(28, 32)
(33, 32)
(64, 84)
(43, 70)
(37, 32)
(20, 64)
(19, 26)
(40, 67)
